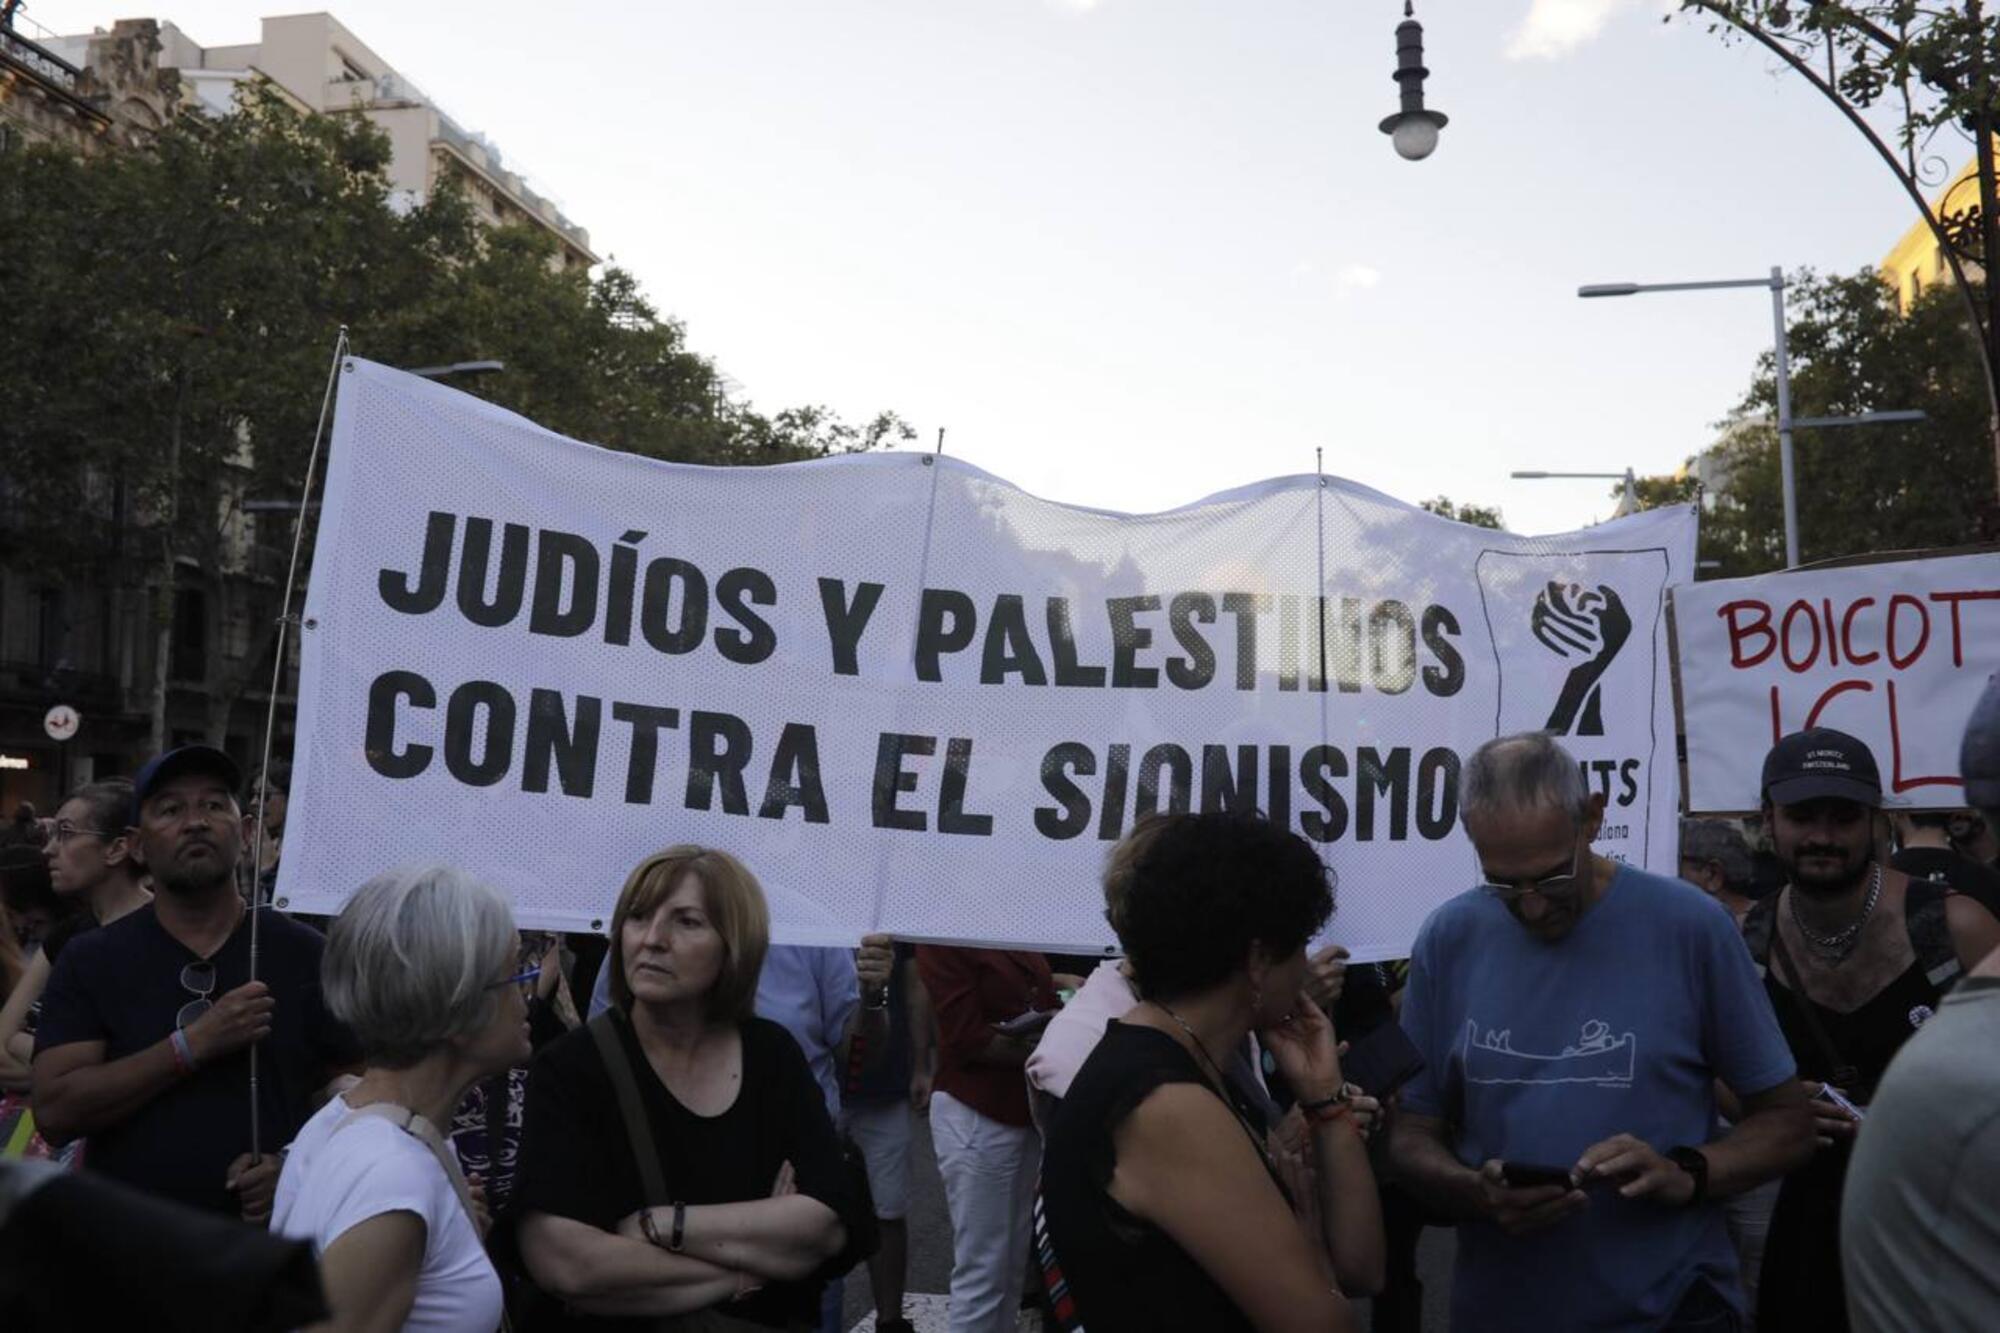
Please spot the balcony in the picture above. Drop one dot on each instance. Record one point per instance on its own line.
(483, 158)
(36, 683)
(40, 64)
(60, 83)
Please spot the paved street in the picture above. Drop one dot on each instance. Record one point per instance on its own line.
(930, 1258)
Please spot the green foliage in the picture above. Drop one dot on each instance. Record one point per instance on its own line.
(166, 306)
(1934, 60)
(170, 313)
(1479, 516)
(1863, 488)
(1659, 492)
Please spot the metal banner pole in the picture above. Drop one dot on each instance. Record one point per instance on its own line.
(285, 622)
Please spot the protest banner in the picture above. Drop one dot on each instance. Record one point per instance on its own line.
(915, 698)
(1894, 653)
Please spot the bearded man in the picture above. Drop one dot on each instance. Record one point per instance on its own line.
(1856, 956)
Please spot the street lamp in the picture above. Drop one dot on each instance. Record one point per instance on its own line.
(1413, 130)
(1776, 284)
(1947, 51)
(458, 368)
(1629, 505)
(1787, 423)
(427, 372)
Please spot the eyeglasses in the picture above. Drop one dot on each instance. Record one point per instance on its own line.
(65, 830)
(1554, 887)
(525, 979)
(198, 980)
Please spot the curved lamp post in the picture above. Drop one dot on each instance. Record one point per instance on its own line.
(1413, 130)
(1964, 238)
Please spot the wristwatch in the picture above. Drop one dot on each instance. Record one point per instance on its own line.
(1695, 1162)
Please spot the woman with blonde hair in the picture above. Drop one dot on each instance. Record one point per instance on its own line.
(677, 1156)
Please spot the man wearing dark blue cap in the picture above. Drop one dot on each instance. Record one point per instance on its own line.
(143, 1045)
(1856, 957)
(1920, 1230)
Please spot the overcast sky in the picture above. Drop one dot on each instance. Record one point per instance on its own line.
(1132, 252)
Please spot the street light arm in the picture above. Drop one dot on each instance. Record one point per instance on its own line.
(1861, 419)
(1634, 288)
(457, 368)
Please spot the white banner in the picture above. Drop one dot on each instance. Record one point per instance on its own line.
(914, 698)
(1893, 653)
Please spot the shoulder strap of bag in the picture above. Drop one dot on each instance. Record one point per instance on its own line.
(1925, 918)
(1841, 1074)
(422, 1130)
(604, 1031)
(1760, 926)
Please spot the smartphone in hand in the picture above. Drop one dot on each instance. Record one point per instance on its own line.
(1527, 1176)
(1025, 1025)
(1381, 1062)
(1828, 1093)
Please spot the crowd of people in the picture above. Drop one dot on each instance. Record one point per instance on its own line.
(1760, 1095)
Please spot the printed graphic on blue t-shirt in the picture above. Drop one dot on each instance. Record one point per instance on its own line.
(1538, 1051)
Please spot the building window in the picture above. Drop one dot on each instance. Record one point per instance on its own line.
(51, 630)
(187, 657)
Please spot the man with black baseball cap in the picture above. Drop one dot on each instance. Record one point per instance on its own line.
(1920, 1230)
(147, 1022)
(1856, 956)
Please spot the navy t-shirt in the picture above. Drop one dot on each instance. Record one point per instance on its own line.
(121, 984)
(1537, 1051)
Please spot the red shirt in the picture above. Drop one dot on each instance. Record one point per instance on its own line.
(971, 990)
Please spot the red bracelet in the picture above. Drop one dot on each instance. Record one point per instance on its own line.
(1325, 1113)
(183, 1052)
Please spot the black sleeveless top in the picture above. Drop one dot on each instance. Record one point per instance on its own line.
(1121, 1272)
(1801, 1287)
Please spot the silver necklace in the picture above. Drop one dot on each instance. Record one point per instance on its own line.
(1841, 943)
(1222, 1086)
(1195, 1038)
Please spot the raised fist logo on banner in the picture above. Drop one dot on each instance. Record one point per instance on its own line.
(1574, 622)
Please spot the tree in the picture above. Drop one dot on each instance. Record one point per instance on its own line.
(1675, 488)
(1932, 67)
(1866, 488)
(171, 312)
(1479, 516)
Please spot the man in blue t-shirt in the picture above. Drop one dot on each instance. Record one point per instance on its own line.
(1575, 1015)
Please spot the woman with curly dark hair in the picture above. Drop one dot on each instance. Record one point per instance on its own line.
(1160, 1206)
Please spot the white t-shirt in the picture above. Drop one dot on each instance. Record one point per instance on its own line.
(332, 1182)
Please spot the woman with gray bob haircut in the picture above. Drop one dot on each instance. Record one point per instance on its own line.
(424, 966)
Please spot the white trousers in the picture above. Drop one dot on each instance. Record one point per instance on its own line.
(989, 1172)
